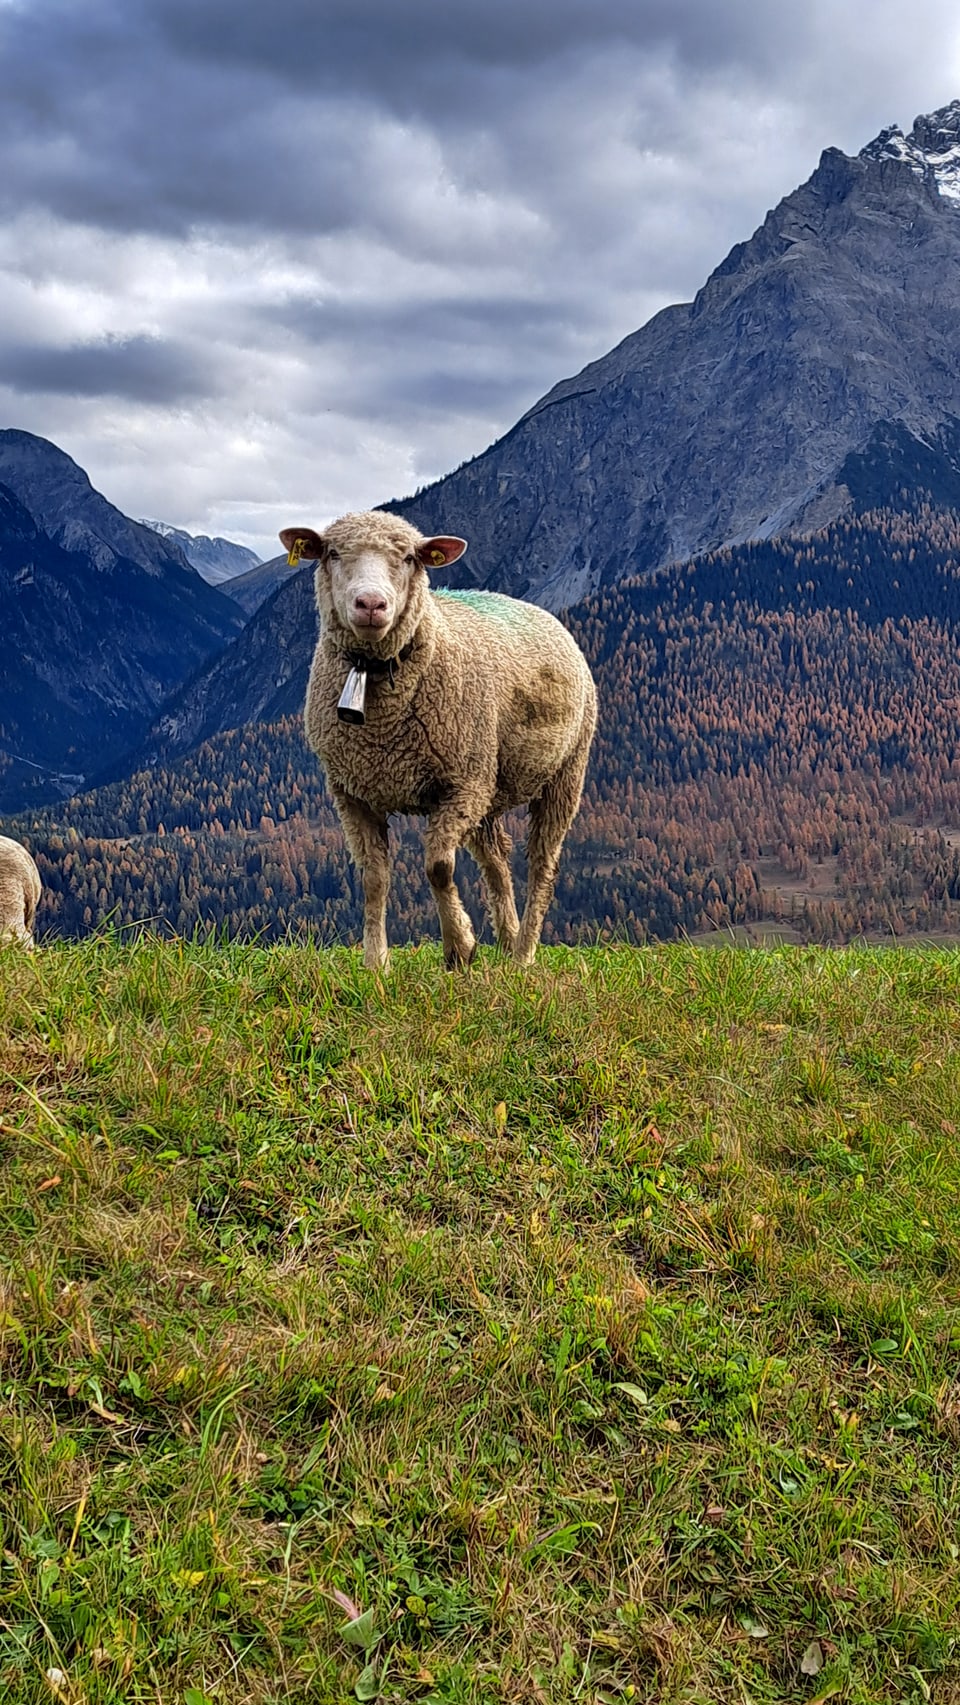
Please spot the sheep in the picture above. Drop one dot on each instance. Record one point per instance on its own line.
(476, 703)
(19, 893)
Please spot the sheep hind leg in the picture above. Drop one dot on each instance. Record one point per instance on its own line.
(443, 836)
(491, 847)
(30, 902)
(367, 841)
(550, 817)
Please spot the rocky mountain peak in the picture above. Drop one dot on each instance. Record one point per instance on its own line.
(932, 149)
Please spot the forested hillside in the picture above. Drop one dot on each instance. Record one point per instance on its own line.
(778, 746)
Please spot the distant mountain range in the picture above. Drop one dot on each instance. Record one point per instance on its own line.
(238, 572)
(102, 621)
(816, 373)
(215, 559)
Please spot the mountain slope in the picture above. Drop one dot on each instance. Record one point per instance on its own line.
(62, 501)
(252, 589)
(102, 621)
(261, 676)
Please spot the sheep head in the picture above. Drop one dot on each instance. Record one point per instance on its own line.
(371, 575)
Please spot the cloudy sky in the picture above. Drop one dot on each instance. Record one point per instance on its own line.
(267, 260)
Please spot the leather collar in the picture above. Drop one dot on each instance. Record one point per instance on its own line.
(378, 666)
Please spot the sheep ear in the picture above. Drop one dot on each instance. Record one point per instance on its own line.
(302, 544)
(441, 551)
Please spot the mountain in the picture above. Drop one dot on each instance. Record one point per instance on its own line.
(737, 415)
(239, 572)
(932, 150)
(102, 621)
(216, 559)
(816, 374)
(65, 506)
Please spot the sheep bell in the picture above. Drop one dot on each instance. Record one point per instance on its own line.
(352, 701)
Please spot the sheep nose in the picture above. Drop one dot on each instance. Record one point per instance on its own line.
(369, 604)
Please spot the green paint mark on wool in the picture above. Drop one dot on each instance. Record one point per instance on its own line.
(493, 605)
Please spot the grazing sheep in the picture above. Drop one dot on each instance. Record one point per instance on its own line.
(19, 893)
(475, 703)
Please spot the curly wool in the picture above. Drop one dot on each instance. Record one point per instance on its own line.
(373, 530)
(20, 891)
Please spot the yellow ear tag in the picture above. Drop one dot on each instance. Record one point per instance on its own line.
(295, 552)
(437, 558)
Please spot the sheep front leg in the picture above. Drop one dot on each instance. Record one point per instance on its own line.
(366, 836)
(445, 833)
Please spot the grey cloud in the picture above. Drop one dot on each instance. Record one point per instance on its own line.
(165, 114)
(396, 51)
(462, 322)
(139, 369)
(419, 359)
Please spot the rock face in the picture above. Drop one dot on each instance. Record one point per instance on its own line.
(216, 560)
(102, 620)
(817, 371)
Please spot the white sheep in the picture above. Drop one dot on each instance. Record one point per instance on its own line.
(456, 706)
(19, 893)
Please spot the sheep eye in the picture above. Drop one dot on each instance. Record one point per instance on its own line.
(410, 559)
(333, 556)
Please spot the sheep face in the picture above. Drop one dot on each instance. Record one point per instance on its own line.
(368, 570)
(369, 590)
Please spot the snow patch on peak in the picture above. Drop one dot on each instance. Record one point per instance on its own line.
(932, 148)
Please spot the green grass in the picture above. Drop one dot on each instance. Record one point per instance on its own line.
(589, 1334)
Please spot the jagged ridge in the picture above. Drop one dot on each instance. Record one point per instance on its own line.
(932, 149)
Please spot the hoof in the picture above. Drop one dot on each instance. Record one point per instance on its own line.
(455, 961)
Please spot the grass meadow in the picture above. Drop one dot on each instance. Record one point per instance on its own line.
(589, 1334)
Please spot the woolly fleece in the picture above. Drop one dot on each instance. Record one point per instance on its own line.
(19, 892)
